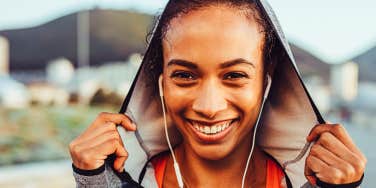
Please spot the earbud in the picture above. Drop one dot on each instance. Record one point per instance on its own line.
(160, 85)
(268, 85)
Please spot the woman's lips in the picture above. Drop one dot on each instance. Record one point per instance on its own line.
(211, 132)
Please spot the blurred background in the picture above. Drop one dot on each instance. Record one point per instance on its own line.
(63, 62)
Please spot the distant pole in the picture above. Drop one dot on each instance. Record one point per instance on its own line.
(4, 56)
(83, 38)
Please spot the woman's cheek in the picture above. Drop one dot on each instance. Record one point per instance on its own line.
(177, 98)
(247, 96)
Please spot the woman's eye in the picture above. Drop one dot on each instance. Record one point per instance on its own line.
(235, 76)
(183, 75)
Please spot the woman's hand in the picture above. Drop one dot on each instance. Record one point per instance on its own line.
(334, 158)
(101, 138)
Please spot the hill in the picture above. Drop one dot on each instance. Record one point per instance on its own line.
(367, 65)
(114, 35)
(309, 65)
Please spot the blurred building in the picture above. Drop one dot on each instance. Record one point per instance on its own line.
(60, 72)
(114, 77)
(47, 94)
(319, 91)
(13, 94)
(4, 56)
(344, 82)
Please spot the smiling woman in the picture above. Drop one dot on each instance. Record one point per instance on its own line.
(212, 62)
(217, 84)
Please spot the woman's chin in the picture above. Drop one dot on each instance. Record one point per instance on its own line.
(213, 152)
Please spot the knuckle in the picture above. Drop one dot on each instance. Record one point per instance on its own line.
(109, 127)
(124, 116)
(325, 138)
(349, 170)
(315, 149)
(325, 135)
(360, 166)
(113, 141)
(85, 157)
(309, 160)
(115, 135)
(338, 128)
(74, 148)
(364, 160)
(72, 145)
(337, 175)
(112, 126)
(102, 114)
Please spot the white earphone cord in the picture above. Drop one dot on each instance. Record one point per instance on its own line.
(253, 145)
(176, 166)
(266, 92)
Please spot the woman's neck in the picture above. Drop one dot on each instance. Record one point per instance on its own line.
(226, 172)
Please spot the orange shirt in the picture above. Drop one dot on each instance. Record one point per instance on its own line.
(274, 173)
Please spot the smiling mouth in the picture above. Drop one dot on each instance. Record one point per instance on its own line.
(212, 129)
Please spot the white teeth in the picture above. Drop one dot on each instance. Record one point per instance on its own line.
(224, 126)
(211, 129)
(207, 130)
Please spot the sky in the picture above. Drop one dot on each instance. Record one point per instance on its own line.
(333, 30)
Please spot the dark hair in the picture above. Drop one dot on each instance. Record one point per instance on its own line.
(174, 8)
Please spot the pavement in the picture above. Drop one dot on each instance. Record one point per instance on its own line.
(38, 175)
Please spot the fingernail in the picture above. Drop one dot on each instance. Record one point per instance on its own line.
(134, 126)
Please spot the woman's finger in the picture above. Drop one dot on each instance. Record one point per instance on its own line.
(96, 154)
(322, 171)
(315, 165)
(121, 157)
(332, 160)
(114, 146)
(119, 119)
(94, 133)
(325, 155)
(335, 146)
(97, 141)
(337, 130)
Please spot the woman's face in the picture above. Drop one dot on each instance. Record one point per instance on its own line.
(213, 78)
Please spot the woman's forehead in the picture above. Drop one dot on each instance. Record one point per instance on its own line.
(213, 35)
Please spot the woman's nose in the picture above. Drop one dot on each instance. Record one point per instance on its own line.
(209, 101)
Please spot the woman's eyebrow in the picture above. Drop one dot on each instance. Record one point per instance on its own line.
(236, 62)
(226, 64)
(183, 63)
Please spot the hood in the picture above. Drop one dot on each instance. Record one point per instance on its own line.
(287, 118)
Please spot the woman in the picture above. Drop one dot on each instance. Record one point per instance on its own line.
(217, 63)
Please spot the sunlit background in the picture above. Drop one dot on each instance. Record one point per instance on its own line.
(63, 62)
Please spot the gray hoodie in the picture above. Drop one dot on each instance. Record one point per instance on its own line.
(286, 120)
